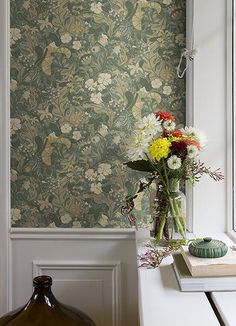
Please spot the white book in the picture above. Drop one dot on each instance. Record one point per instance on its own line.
(223, 266)
(189, 283)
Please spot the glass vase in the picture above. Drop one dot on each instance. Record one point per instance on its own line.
(159, 212)
(176, 212)
(168, 212)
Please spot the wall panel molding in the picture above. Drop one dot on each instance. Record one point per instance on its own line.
(71, 234)
(114, 268)
(99, 263)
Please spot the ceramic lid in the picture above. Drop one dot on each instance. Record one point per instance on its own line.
(208, 248)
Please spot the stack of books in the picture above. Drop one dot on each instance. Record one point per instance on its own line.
(205, 274)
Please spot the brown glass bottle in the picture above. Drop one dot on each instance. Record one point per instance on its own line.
(44, 310)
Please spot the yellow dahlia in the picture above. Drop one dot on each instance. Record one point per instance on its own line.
(160, 148)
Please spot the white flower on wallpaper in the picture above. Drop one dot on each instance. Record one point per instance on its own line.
(76, 45)
(104, 168)
(15, 35)
(117, 49)
(90, 84)
(26, 95)
(76, 135)
(134, 69)
(96, 8)
(101, 87)
(76, 224)
(116, 140)
(66, 38)
(66, 128)
(15, 125)
(53, 45)
(96, 98)
(103, 221)
(44, 204)
(167, 2)
(156, 83)
(14, 175)
(44, 23)
(44, 114)
(103, 40)
(103, 131)
(167, 90)
(52, 225)
(13, 85)
(15, 215)
(66, 218)
(91, 175)
(26, 4)
(96, 188)
(104, 79)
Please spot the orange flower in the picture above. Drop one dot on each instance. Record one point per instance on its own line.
(192, 142)
(164, 116)
(175, 133)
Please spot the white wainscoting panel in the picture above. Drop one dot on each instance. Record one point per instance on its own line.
(93, 287)
(95, 271)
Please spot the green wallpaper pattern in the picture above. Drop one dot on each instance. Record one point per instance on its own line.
(82, 72)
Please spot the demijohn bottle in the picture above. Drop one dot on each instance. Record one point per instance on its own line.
(44, 310)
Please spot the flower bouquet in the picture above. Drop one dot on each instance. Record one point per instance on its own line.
(170, 156)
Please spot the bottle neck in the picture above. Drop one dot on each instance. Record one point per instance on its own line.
(42, 290)
(43, 295)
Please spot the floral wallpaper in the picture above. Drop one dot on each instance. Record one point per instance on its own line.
(82, 72)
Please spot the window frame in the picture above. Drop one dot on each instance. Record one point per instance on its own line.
(206, 94)
(231, 115)
(233, 111)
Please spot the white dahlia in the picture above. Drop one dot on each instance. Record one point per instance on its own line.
(149, 126)
(195, 134)
(137, 147)
(169, 125)
(174, 162)
(192, 151)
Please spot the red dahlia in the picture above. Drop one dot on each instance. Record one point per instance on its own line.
(178, 147)
(164, 116)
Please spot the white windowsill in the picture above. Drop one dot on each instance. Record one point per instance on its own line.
(161, 302)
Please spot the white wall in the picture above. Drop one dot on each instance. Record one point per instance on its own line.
(209, 111)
